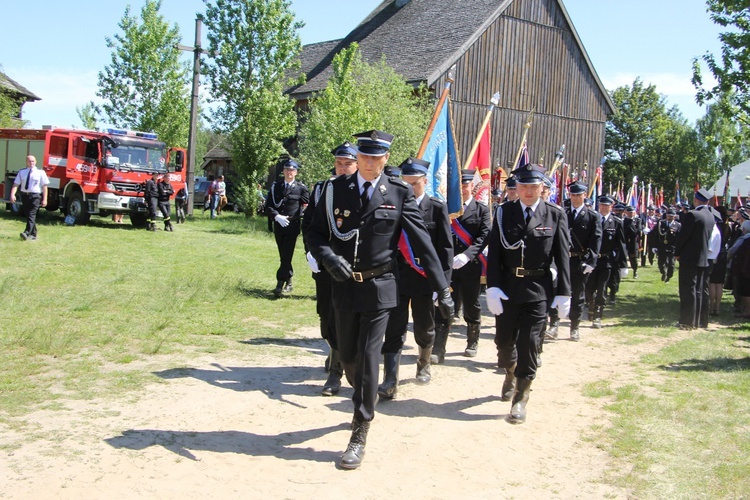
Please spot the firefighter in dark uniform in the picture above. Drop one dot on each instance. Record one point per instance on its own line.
(613, 285)
(285, 203)
(528, 235)
(413, 286)
(165, 191)
(649, 220)
(666, 236)
(633, 228)
(345, 163)
(151, 197)
(585, 243)
(354, 234)
(470, 232)
(612, 260)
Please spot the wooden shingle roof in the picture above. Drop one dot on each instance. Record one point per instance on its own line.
(420, 39)
(11, 86)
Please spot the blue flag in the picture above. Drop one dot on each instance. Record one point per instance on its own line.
(444, 176)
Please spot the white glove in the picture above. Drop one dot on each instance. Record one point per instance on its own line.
(562, 304)
(553, 272)
(655, 250)
(623, 272)
(460, 261)
(283, 220)
(587, 269)
(495, 298)
(314, 267)
(434, 296)
(486, 251)
(646, 230)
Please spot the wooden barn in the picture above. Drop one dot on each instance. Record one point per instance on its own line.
(527, 50)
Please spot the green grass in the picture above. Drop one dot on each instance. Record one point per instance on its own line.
(682, 430)
(82, 300)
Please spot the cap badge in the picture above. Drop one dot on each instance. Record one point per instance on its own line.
(374, 136)
(382, 189)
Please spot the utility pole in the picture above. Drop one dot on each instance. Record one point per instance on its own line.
(197, 51)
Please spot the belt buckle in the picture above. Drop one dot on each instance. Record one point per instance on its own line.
(357, 277)
(520, 272)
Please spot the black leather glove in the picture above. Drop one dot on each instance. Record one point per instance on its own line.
(445, 303)
(337, 267)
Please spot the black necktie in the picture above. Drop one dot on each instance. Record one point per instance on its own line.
(529, 213)
(363, 196)
(28, 180)
(604, 219)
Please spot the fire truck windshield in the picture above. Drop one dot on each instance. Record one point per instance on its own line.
(137, 157)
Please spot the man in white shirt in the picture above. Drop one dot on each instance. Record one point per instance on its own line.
(33, 185)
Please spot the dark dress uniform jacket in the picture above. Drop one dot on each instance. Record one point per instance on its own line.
(692, 240)
(546, 239)
(287, 201)
(437, 221)
(612, 253)
(585, 236)
(392, 207)
(476, 221)
(632, 227)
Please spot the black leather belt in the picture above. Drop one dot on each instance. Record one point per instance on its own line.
(360, 276)
(520, 272)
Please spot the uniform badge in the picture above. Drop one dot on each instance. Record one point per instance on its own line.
(382, 189)
(336, 212)
(339, 223)
(351, 186)
(346, 213)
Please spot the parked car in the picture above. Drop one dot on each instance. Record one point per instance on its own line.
(200, 196)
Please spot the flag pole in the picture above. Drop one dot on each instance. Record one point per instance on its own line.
(494, 101)
(438, 108)
(558, 160)
(526, 127)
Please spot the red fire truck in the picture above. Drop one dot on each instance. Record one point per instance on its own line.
(92, 173)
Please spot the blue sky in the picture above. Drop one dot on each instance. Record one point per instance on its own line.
(57, 52)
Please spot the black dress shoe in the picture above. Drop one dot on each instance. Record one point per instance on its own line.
(575, 335)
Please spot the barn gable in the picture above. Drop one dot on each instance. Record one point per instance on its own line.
(528, 50)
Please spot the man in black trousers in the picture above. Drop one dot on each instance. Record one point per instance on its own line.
(528, 235)
(413, 286)
(354, 234)
(33, 184)
(470, 232)
(285, 203)
(691, 251)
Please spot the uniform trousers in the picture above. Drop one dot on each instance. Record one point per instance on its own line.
(578, 292)
(465, 283)
(633, 257)
(597, 284)
(613, 283)
(665, 259)
(324, 307)
(165, 209)
(691, 294)
(360, 340)
(423, 314)
(286, 240)
(518, 334)
(153, 207)
(648, 250)
(705, 295)
(31, 203)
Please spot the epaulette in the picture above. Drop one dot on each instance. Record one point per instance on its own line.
(617, 217)
(507, 202)
(397, 181)
(436, 200)
(557, 207)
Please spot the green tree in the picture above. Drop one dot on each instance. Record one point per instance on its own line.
(359, 97)
(87, 114)
(732, 69)
(145, 86)
(254, 44)
(645, 139)
(9, 109)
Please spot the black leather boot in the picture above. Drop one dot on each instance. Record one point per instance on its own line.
(335, 372)
(509, 384)
(472, 340)
(520, 398)
(288, 286)
(423, 365)
(438, 349)
(389, 387)
(277, 290)
(355, 452)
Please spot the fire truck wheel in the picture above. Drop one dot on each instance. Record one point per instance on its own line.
(138, 220)
(77, 208)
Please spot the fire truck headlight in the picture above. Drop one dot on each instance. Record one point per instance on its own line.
(111, 186)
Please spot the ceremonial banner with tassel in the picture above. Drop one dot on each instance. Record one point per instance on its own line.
(439, 148)
(480, 157)
(727, 194)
